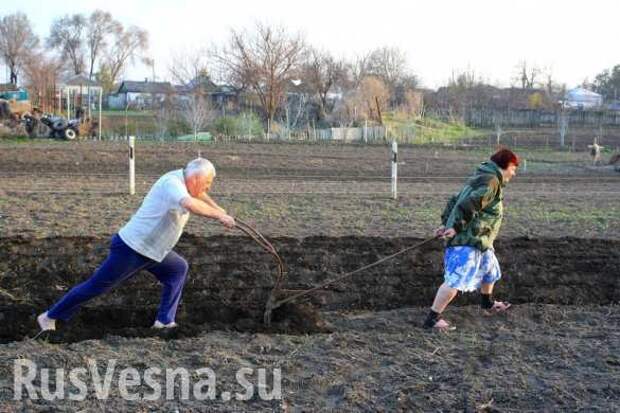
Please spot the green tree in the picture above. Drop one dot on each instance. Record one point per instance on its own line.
(607, 83)
(104, 78)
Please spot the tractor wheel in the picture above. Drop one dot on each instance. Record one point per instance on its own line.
(59, 124)
(70, 134)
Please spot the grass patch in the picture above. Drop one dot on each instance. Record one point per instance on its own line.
(15, 139)
(408, 129)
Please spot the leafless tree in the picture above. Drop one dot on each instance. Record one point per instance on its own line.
(265, 60)
(322, 72)
(163, 116)
(191, 70)
(17, 42)
(99, 27)
(464, 79)
(127, 45)
(356, 70)
(527, 74)
(554, 89)
(294, 110)
(42, 72)
(67, 36)
(196, 111)
(389, 64)
(464, 90)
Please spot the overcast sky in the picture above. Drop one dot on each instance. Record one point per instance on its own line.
(575, 39)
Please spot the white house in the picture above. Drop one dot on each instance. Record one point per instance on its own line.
(582, 99)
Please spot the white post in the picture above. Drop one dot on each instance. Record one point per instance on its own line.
(132, 166)
(524, 165)
(394, 168)
(100, 93)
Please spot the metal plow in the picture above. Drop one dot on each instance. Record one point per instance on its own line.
(272, 302)
(279, 278)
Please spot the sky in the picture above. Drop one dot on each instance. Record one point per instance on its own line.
(574, 40)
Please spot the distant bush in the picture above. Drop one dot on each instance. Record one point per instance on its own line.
(244, 124)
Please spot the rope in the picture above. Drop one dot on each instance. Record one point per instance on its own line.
(272, 304)
(307, 292)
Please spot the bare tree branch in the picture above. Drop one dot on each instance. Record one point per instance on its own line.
(127, 46)
(190, 70)
(66, 35)
(358, 69)
(42, 73)
(99, 27)
(321, 72)
(196, 111)
(389, 64)
(17, 42)
(265, 61)
(527, 74)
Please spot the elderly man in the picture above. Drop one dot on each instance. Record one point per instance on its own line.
(471, 222)
(146, 243)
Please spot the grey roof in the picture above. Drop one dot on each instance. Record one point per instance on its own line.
(130, 86)
(80, 80)
(213, 89)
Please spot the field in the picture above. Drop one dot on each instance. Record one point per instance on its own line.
(328, 210)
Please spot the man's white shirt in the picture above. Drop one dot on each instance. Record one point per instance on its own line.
(157, 225)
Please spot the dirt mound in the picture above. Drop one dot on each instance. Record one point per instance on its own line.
(231, 278)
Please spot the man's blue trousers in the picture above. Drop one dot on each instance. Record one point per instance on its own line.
(121, 264)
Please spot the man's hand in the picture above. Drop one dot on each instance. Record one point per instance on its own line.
(227, 221)
(443, 232)
(200, 207)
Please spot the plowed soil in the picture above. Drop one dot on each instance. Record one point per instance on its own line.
(231, 279)
(354, 346)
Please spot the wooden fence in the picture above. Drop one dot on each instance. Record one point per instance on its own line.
(489, 119)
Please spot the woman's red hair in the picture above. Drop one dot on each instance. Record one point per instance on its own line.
(505, 157)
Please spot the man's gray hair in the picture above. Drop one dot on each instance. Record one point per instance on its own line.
(199, 166)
